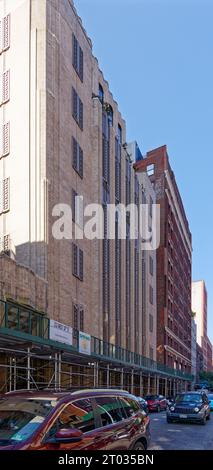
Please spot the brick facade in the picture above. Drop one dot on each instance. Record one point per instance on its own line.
(173, 265)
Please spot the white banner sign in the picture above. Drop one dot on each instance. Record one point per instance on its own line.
(60, 332)
(84, 343)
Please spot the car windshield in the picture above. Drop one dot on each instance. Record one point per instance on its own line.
(151, 397)
(19, 418)
(189, 398)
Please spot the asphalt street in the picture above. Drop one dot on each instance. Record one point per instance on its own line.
(179, 436)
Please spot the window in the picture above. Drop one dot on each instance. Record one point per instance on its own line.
(151, 353)
(110, 116)
(151, 295)
(101, 93)
(128, 182)
(4, 195)
(109, 111)
(5, 243)
(77, 58)
(117, 284)
(117, 180)
(151, 323)
(18, 423)
(78, 262)
(119, 134)
(77, 108)
(5, 141)
(151, 265)
(76, 415)
(150, 169)
(78, 317)
(106, 159)
(106, 264)
(77, 157)
(109, 410)
(4, 33)
(130, 406)
(5, 87)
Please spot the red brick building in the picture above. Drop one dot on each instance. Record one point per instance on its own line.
(173, 264)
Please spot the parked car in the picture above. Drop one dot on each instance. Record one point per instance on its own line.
(210, 398)
(81, 420)
(143, 404)
(189, 406)
(156, 402)
(202, 386)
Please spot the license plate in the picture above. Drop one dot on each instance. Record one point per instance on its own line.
(182, 416)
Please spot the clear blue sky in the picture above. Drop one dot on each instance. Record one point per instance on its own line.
(158, 58)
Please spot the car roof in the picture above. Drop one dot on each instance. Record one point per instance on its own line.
(64, 394)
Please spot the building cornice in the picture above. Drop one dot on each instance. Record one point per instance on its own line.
(168, 348)
(176, 338)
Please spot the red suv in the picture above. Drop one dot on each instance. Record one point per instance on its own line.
(156, 402)
(81, 420)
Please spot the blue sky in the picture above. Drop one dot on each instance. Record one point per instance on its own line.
(158, 58)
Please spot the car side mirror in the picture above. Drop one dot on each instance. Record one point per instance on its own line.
(68, 435)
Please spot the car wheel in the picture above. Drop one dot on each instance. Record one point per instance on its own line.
(169, 420)
(139, 446)
(208, 417)
(203, 420)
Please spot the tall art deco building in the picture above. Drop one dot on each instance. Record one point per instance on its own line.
(63, 136)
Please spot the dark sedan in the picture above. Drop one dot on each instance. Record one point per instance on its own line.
(189, 406)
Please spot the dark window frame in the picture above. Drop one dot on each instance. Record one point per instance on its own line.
(77, 58)
(77, 109)
(101, 93)
(77, 158)
(77, 262)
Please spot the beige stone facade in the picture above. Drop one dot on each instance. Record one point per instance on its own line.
(105, 303)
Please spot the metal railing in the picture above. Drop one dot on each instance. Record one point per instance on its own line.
(24, 319)
(110, 351)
